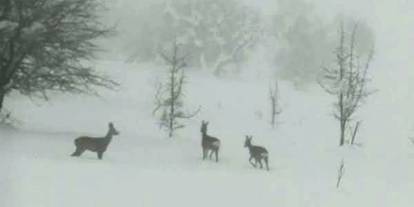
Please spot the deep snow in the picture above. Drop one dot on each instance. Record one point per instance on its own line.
(142, 167)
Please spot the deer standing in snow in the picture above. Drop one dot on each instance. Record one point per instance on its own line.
(257, 153)
(95, 144)
(208, 143)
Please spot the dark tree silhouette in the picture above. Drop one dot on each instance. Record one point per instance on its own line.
(168, 97)
(45, 45)
(274, 97)
(347, 80)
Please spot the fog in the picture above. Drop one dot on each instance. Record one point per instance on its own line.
(244, 68)
(392, 23)
(391, 20)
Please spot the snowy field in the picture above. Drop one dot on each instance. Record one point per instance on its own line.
(143, 167)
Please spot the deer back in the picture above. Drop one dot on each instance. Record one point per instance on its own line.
(93, 143)
(258, 151)
(210, 142)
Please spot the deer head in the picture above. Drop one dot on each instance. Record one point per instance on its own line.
(204, 125)
(112, 131)
(248, 141)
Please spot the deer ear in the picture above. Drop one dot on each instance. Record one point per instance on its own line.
(111, 124)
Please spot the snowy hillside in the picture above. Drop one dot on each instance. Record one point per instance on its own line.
(143, 167)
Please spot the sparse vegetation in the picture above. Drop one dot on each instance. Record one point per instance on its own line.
(169, 104)
(347, 79)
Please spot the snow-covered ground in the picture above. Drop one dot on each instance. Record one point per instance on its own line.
(143, 167)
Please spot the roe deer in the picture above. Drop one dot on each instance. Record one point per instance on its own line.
(95, 144)
(257, 153)
(209, 143)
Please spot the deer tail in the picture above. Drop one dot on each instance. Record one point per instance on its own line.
(217, 144)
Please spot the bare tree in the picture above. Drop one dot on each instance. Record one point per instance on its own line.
(44, 44)
(275, 108)
(168, 98)
(347, 79)
(341, 172)
(354, 133)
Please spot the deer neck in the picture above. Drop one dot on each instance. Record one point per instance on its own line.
(250, 146)
(204, 135)
(108, 137)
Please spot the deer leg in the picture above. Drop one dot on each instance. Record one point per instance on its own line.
(100, 155)
(78, 152)
(255, 161)
(260, 162)
(211, 154)
(204, 153)
(267, 163)
(250, 160)
(216, 152)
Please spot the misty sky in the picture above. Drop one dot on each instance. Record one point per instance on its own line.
(392, 21)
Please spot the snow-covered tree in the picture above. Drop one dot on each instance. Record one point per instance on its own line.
(347, 78)
(341, 173)
(169, 104)
(44, 45)
(275, 108)
(302, 40)
(216, 32)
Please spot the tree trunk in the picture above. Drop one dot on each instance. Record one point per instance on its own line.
(172, 96)
(172, 106)
(342, 138)
(273, 121)
(2, 95)
(342, 119)
(355, 133)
